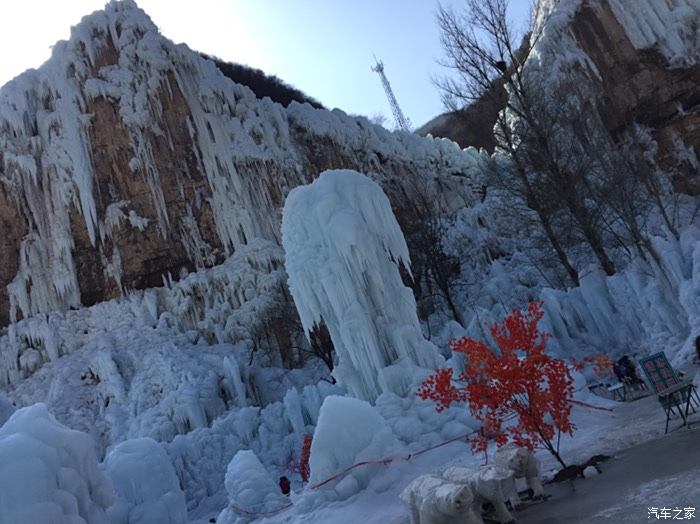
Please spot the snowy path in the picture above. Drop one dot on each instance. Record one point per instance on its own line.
(664, 472)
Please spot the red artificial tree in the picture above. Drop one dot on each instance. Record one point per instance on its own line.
(518, 393)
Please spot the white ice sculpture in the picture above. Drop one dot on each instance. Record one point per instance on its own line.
(49, 473)
(251, 490)
(343, 246)
(146, 483)
(349, 431)
(489, 484)
(523, 463)
(433, 500)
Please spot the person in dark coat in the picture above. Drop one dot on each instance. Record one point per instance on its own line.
(697, 348)
(630, 371)
(619, 373)
(285, 485)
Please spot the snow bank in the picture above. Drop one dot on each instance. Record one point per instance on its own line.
(146, 484)
(251, 489)
(349, 430)
(49, 473)
(343, 246)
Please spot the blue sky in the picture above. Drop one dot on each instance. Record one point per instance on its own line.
(323, 47)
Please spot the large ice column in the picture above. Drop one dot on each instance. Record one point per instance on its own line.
(342, 245)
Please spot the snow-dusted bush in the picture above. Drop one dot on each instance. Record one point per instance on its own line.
(49, 473)
(251, 490)
(146, 484)
(349, 431)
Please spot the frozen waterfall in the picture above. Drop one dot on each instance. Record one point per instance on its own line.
(343, 246)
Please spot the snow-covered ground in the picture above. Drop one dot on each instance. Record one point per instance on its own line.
(637, 423)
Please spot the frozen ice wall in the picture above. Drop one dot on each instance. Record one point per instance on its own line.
(6, 409)
(124, 137)
(343, 247)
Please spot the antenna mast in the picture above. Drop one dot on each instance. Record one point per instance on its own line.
(402, 122)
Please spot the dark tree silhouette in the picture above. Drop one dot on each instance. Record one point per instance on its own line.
(263, 84)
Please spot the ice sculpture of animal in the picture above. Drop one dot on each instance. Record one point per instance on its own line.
(523, 463)
(491, 484)
(434, 500)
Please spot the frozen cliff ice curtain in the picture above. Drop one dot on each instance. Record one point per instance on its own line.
(343, 246)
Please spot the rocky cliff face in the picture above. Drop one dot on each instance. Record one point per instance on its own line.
(126, 157)
(647, 59)
(642, 56)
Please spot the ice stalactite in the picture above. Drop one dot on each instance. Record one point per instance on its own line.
(343, 246)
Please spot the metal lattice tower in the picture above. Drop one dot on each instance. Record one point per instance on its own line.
(402, 122)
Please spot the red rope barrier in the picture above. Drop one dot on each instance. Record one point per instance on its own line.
(261, 513)
(383, 462)
(386, 462)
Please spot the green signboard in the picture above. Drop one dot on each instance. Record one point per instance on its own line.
(658, 370)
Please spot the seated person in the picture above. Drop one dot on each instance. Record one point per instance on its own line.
(629, 370)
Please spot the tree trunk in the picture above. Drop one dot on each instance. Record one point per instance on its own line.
(561, 254)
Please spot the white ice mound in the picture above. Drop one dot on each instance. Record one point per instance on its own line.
(146, 483)
(49, 473)
(349, 431)
(343, 246)
(252, 491)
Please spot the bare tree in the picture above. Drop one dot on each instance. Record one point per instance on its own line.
(423, 216)
(533, 130)
(280, 335)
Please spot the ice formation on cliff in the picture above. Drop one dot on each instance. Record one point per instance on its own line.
(670, 26)
(248, 152)
(343, 246)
